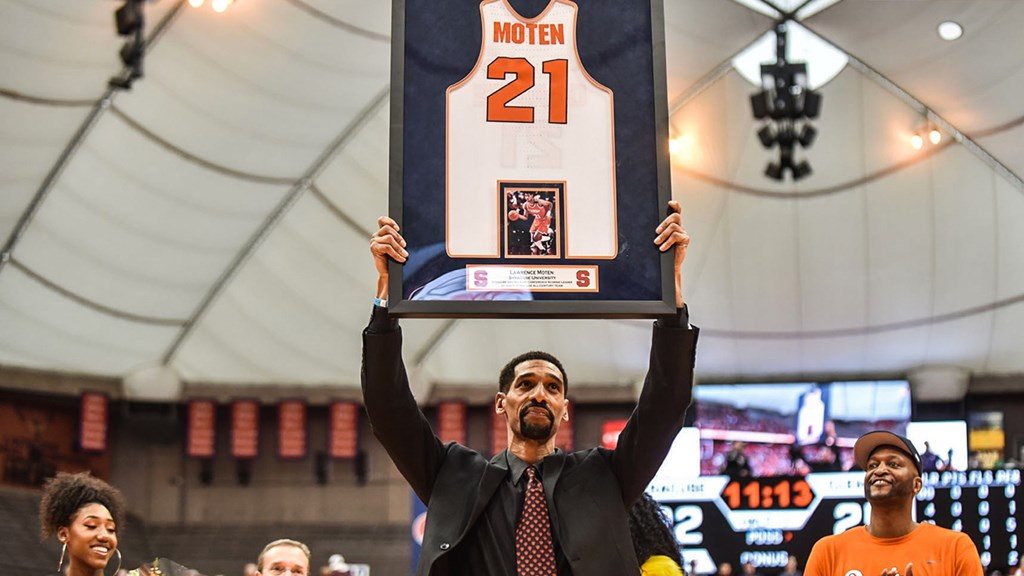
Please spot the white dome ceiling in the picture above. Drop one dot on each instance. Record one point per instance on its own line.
(215, 218)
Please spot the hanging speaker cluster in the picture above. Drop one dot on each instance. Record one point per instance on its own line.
(787, 105)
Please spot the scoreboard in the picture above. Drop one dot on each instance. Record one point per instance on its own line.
(764, 520)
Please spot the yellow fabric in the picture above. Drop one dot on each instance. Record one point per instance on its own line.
(660, 566)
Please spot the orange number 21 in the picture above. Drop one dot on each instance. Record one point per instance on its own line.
(498, 109)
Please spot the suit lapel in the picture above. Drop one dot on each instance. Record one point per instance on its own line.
(496, 470)
(552, 471)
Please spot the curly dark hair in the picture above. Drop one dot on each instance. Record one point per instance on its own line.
(65, 494)
(508, 372)
(651, 531)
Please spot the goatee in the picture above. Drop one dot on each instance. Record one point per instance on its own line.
(534, 431)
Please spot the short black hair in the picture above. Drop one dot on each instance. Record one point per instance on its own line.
(508, 372)
(65, 494)
(651, 531)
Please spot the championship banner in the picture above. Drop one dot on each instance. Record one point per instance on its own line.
(451, 422)
(499, 433)
(202, 429)
(344, 430)
(529, 158)
(291, 429)
(565, 439)
(245, 429)
(93, 428)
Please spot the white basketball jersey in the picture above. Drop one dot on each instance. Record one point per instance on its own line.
(529, 112)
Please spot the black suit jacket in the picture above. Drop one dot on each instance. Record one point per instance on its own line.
(589, 491)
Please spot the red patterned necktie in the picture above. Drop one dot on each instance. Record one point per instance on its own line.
(535, 551)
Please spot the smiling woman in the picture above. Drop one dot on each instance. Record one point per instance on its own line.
(84, 513)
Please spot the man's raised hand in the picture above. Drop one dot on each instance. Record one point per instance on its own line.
(386, 243)
(670, 233)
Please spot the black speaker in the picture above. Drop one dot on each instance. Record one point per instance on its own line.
(812, 104)
(129, 18)
(759, 104)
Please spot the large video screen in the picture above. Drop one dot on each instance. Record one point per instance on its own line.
(793, 429)
(763, 520)
(777, 474)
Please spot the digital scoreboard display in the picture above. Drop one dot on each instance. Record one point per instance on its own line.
(763, 520)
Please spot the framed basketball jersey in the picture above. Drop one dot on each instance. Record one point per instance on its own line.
(529, 158)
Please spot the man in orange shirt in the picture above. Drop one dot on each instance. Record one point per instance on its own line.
(892, 543)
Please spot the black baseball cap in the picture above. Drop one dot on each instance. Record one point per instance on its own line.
(868, 443)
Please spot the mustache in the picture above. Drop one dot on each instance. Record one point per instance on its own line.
(535, 404)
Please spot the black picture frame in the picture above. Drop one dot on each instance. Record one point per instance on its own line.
(418, 69)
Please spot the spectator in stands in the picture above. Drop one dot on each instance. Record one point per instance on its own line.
(653, 541)
(336, 566)
(85, 514)
(791, 567)
(724, 569)
(282, 557)
(831, 458)
(736, 464)
(250, 570)
(930, 461)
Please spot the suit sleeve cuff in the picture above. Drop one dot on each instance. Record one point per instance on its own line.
(680, 320)
(381, 321)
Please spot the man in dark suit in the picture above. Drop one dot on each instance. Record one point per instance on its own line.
(531, 510)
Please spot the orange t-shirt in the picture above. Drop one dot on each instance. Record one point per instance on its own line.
(934, 551)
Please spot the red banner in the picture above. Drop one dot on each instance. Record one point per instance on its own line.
(344, 431)
(202, 429)
(92, 430)
(291, 429)
(610, 431)
(499, 433)
(451, 422)
(565, 439)
(245, 429)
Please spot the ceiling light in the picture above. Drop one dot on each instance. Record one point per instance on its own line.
(220, 5)
(130, 19)
(681, 147)
(950, 30)
(195, 3)
(935, 136)
(916, 141)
